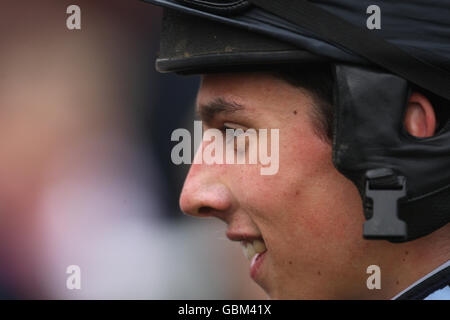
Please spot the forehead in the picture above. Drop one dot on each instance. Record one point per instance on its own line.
(248, 82)
(253, 91)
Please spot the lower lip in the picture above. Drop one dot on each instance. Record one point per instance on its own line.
(256, 263)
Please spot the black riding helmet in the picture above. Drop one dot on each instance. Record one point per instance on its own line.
(404, 181)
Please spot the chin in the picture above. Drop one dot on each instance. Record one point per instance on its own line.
(291, 294)
(278, 295)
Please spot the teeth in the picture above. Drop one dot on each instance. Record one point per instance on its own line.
(252, 248)
(259, 246)
(250, 251)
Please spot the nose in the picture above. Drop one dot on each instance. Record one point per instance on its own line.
(205, 195)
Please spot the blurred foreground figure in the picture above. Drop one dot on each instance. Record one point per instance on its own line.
(78, 185)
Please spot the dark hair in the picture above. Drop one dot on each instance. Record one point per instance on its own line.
(318, 81)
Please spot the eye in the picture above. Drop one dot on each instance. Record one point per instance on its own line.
(229, 125)
(231, 131)
(232, 126)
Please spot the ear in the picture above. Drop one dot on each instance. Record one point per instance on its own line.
(420, 119)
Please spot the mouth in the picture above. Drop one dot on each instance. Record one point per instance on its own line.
(255, 251)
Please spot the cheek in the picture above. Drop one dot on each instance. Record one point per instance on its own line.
(324, 207)
(307, 204)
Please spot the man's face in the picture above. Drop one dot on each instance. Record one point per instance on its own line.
(308, 215)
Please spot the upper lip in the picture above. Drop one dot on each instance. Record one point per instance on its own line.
(236, 236)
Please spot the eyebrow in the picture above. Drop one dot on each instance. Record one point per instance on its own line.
(210, 110)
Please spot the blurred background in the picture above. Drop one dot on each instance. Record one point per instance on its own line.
(85, 172)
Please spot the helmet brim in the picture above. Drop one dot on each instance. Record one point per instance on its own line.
(190, 44)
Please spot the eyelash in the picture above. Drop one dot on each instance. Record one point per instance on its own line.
(230, 126)
(224, 128)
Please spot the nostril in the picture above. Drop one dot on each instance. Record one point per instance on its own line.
(205, 210)
(205, 200)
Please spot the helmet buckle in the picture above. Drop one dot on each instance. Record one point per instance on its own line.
(384, 188)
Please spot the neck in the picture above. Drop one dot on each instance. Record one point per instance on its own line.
(413, 260)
